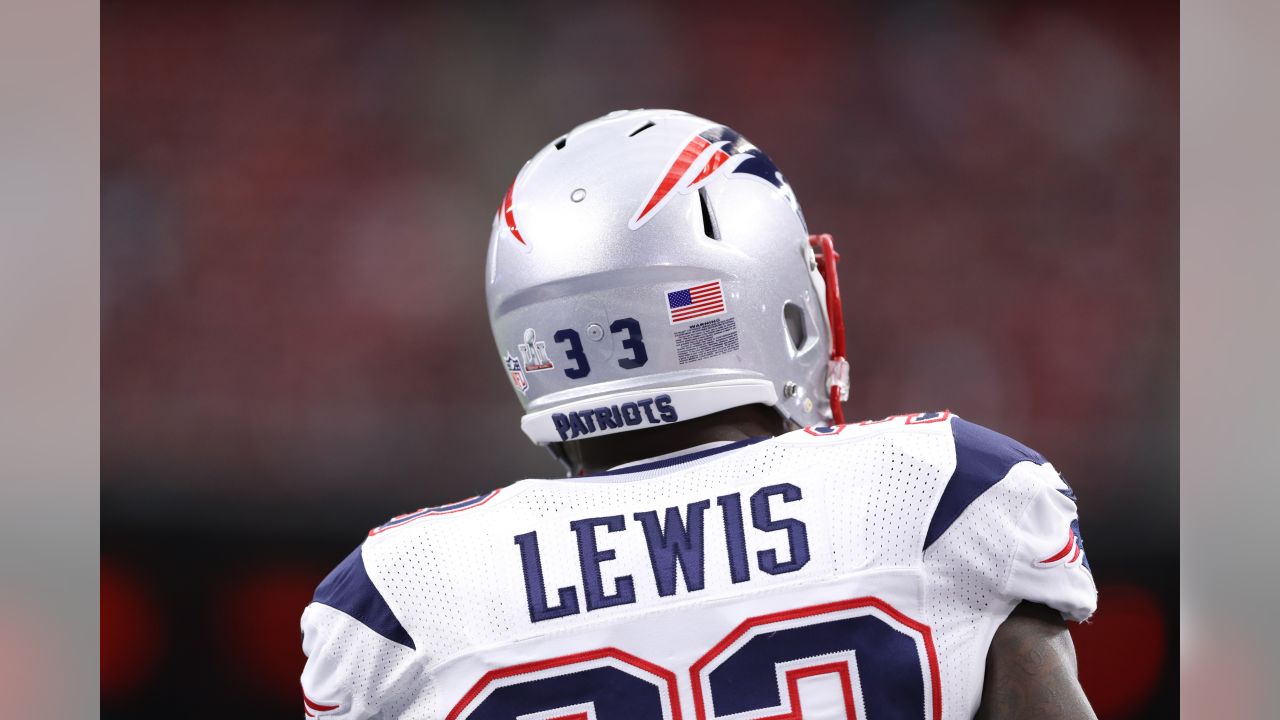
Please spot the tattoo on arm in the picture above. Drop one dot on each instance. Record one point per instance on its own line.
(1031, 670)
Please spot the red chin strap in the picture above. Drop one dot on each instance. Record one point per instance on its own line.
(837, 367)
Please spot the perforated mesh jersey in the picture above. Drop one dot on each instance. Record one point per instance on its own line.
(860, 568)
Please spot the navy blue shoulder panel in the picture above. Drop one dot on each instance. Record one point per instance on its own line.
(983, 458)
(349, 589)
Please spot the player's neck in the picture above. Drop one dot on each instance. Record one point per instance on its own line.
(741, 423)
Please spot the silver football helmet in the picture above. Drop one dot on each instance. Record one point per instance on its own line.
(652, 267)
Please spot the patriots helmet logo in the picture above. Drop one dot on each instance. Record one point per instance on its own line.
(717, 148)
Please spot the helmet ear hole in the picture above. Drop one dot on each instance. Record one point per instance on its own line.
(793, 318)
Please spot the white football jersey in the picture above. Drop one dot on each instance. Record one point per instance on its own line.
(855, 571)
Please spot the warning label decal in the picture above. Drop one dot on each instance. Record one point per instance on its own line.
(706, 340)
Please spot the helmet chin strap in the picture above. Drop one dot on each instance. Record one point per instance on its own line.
(837, 367)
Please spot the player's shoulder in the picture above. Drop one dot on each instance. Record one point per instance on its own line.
(968, 458)
(359, 585)
(972, 442)
(921, 424)
(350, 590)
(925, 437)
(419, 530)
(420, 520)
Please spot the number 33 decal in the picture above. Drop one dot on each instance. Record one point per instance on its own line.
(884, 662)
(634, 341)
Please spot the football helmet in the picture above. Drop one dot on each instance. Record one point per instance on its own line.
(651, 267)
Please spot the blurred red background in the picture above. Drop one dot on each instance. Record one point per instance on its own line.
(296, 200)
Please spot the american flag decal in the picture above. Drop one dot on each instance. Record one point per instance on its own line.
(695, 302)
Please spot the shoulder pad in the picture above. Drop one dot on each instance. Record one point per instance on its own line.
(983, 458)
(349, 589)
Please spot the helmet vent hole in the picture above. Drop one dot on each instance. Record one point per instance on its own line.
(641, 129)
(793, 317)
(561, 142)
(709, 227)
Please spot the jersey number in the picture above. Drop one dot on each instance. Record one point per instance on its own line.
(853, 659)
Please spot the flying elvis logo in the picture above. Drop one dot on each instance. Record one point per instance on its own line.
(709, 151)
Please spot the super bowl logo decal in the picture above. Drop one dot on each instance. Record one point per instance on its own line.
(516, 370)
(533, 352)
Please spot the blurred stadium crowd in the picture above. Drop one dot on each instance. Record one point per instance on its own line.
(296, 201)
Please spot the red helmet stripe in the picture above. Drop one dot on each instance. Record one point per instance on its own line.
(712, 165)
(508, 214)
(677, 171)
